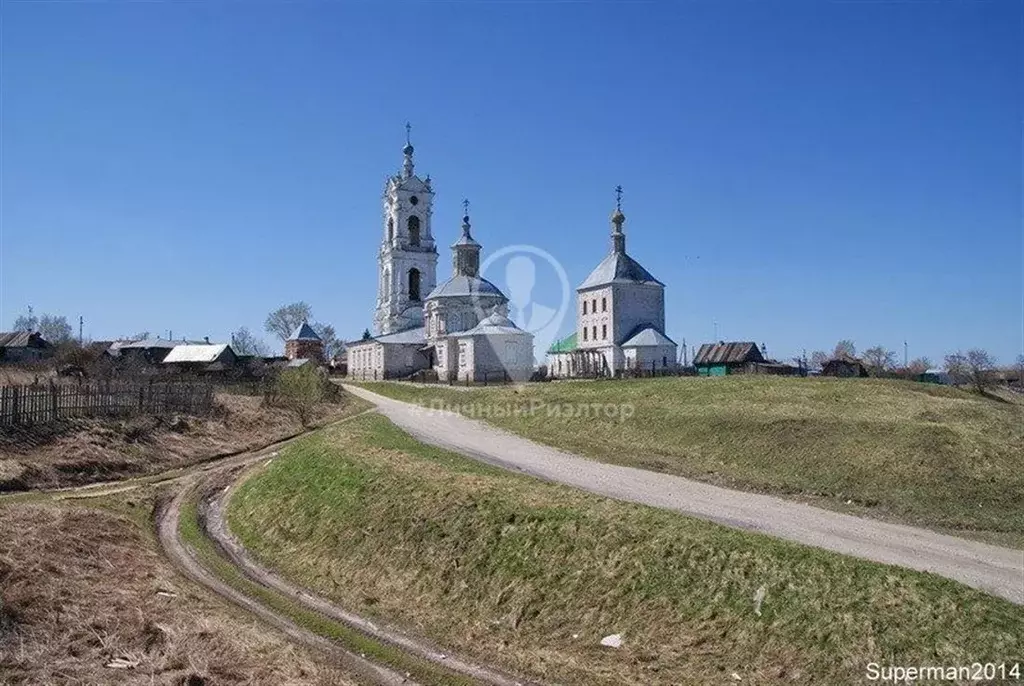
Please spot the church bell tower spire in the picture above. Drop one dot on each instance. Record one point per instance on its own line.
(407, 166)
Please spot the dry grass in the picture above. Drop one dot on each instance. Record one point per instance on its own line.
(84, 451)
(81, 588)
(531, 575)
(916, 453)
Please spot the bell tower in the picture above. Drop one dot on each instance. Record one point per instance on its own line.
(407, 259)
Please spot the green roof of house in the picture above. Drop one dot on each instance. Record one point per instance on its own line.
(567, 344)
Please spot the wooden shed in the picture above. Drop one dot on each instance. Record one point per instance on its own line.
(726, 357)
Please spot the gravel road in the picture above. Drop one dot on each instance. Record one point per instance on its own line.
(997, 570)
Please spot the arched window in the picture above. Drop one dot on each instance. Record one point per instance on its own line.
(414, 284)
(414, 230)
(391, 229)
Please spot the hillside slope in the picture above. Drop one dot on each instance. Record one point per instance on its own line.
(916, 453)
(532, 575)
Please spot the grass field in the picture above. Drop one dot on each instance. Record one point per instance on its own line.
(531, 575)
(917, 453)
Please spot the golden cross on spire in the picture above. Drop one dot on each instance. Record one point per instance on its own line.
(618, 198)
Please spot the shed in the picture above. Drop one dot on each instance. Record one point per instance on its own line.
(844, 366)
(726, 357)
(23, 346)
(202, 357)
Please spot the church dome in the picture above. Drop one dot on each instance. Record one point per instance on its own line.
(618, 217)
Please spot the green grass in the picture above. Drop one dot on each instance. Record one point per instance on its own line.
(531, 575)
(382, 653)
(917, 453)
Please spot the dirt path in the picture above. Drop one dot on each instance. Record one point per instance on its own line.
(233, 469)
(997, 570)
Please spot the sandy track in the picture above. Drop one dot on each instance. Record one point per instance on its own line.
(994, 569)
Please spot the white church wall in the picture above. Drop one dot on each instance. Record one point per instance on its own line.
(597, 322)
(637, 304)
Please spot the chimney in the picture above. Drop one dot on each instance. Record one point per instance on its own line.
(206, 339)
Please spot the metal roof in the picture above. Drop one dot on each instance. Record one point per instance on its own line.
(566, 345)
(195, 353)
(496, 323)
(156, 343)
(304, 332)
(22, 339)
(618, 267)
(728, 353)
(647, 337)
(462, 285)
(417, 336)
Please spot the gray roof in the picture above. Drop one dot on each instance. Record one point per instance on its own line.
(461, 285)
(416, 336)
(22, 339)
(618, 267)
(304, 332)
(496, 323)
(732, 352)
(298, 362)
(647, 337)
(147, 343)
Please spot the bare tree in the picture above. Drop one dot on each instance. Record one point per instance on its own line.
(879, 360)
(287, 318)
(244, 342)
(845, 348)
(819, 358)
(55, 329)
(333, 346)
(976, 368)
(26, 321)
(919, 366)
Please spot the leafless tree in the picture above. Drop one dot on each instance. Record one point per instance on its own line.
(55, 329)
(919, 366)
(976, 368)
(244, 342)
(287, 318)
(845, 348)
(819, 358)
(26, 321)
(879, 360)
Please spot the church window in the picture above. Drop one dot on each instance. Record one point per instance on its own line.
(604, 304)
(414, 284)
(604, 331)
(391, 229)
(584, 333)
(594, 332)
(414, 230)
(593, 305)
(462, 354)
(584, 307)
(664, 361)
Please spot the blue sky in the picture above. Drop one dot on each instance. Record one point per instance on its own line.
(798, 172)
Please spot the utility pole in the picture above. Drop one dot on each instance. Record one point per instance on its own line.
(905, 361)
(81, 322)
(685, 361)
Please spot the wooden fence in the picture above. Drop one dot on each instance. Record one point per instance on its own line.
(38, 404)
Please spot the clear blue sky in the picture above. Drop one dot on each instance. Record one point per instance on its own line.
(798, 171)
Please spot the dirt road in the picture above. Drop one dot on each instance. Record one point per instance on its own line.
(997, 570)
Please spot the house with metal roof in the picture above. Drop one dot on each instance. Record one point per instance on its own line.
(23, 346)
(202, 357)
(719, 359)
(620, 318)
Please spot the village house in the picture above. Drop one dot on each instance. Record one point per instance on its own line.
(23, 346)
(201, 358)
(732, 357)
(844, 366)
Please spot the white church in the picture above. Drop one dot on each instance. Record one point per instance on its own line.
(459, 329)
(620, 318)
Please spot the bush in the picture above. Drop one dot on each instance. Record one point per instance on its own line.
(303, 389)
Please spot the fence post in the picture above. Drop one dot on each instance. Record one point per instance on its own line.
(53, 401)
(15, 401)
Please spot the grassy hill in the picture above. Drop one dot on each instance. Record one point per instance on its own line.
(531, 575)
(917, 453)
